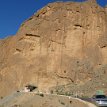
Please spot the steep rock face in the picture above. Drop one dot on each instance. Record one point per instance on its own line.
(63, 43)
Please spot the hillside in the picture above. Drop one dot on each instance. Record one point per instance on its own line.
(42, 100)
(62, 45)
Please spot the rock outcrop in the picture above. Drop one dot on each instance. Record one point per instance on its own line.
(63, 43)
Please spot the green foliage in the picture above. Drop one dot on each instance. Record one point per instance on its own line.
(100, 92)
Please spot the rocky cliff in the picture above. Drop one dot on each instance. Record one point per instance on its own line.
(63, 43)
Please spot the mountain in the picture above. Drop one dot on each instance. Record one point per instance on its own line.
(63, 43)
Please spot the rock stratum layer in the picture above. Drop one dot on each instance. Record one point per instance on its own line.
(63, 43)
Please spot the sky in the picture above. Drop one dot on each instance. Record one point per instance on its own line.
(15, 12)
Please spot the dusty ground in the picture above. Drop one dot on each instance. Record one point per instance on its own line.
(41, 100)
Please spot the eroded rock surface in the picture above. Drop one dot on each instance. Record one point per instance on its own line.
(63, 43)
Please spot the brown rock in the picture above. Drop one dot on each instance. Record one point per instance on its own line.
(60, 44)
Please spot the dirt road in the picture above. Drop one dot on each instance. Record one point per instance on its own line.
(88, 103)
(42, 100)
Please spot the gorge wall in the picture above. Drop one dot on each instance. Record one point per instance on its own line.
(63, 43)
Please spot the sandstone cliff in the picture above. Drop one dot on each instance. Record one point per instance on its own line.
(63, 43)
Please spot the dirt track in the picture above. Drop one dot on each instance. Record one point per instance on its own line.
(42, 100)
(89, 104)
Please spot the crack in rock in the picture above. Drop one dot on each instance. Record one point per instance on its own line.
(33, 35)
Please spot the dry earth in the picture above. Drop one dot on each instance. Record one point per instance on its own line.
(63, 44)
(42, 100)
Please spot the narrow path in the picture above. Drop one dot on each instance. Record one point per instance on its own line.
(89, 104)
(69, 97)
